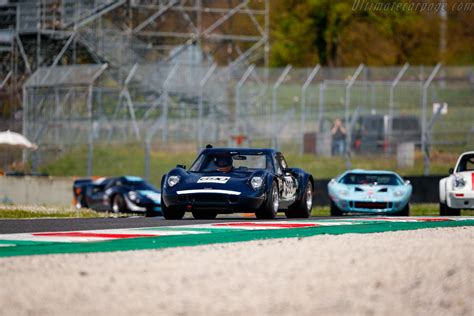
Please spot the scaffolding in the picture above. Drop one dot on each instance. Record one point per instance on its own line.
(40, 33)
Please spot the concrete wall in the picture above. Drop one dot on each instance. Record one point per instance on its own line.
(54, 191)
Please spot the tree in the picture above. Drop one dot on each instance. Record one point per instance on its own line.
(342, 33)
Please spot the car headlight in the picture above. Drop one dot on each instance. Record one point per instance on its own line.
(173, 180)
(133, 196)
(343, 192)
(398, 193)
(256, 182)
(459, 182)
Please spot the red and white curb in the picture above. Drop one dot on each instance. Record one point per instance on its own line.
(111, 234)
(92, 235)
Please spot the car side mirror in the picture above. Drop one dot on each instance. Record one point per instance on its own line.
(451, 170)
(407, 182)
(181, 166)
(333, 180)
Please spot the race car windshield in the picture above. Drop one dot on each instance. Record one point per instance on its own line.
(370, 179)
(210, 162)
(466, 163)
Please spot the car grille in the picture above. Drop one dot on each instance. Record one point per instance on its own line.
(371, 205)
(208, 198)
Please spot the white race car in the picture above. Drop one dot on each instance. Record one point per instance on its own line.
(456, 192)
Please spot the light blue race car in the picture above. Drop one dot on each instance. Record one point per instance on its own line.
(369, 191)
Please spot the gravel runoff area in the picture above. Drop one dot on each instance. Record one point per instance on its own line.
(419, 272)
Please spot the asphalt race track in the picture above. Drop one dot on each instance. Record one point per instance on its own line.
(64, 224)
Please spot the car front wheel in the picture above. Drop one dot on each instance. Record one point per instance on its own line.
(170, 212)
(118, 204)
(269, 209)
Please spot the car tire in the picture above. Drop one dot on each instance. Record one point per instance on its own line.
(405, 211)
(445, 210)
(302, 208)
(118, 204)
(170, 212)
(80, 202)
(269, 209)
(204, 214)
(334, 210)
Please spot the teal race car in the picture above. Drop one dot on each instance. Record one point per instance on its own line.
(369, 191)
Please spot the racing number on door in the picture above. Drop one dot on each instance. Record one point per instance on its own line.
(287, 181)
(289, 187)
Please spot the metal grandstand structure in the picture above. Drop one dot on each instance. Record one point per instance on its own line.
(41, 33)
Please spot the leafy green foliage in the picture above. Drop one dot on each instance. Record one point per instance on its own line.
(349, 32)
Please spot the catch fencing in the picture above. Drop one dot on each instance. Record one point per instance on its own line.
(182, 107)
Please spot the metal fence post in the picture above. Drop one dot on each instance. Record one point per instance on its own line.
(347, 101)
(391, 100)
(151, 132)
(164, 135)
(147, 159)
(274, 103)
(202, 83)
(90, 151)
(125, 93)
(239, 85)
(322, 89)
(308, 81)
(424, 125)
(25, 121)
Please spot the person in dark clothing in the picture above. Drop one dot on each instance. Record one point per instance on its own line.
(338, 133)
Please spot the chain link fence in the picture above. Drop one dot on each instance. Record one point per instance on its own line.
(181, 107)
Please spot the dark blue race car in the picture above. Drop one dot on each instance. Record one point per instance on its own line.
(228, 180)
(120, 194)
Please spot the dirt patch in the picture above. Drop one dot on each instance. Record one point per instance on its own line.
(429, 271)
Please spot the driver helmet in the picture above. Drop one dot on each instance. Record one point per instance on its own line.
(223, 161)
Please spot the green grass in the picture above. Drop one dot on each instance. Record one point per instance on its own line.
(19, 213)
(11, 211)
(118, 160)
(129, 160)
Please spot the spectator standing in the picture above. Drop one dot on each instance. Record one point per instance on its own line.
(338, 134)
